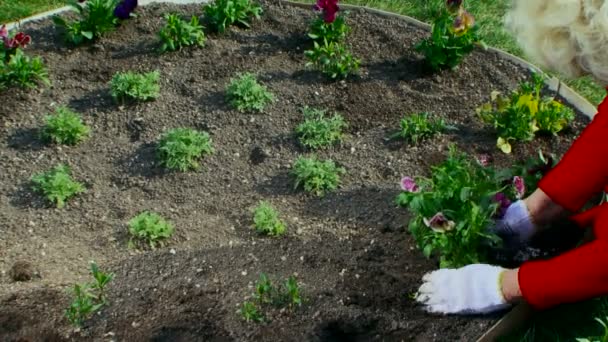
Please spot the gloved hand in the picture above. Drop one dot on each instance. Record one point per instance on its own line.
(516, 227)
(473, 289)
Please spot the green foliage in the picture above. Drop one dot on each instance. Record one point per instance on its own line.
(332, 59)
(453, 209)
(246, 94)
(132, 86)
(65, 127)
(418, 127)
(453, 37)
(179, 33)
(181, 148)
(150, 228)
(267, 294)
(317, 176)
(90, 297)
(319, 131)
(267, 221)
(603, 338)
(57, 185)
(335, 31)
(223, 13)
(96, 17)
(23, 71)
(525, 112)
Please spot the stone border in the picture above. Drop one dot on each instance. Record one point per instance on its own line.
(521, 313)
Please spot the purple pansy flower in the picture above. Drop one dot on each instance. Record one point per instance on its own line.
(484, 159)
(503, 204)
(409, 184)
(463, 22)
(520, 186)
(439, 223)
(3, 32)
(125, 8)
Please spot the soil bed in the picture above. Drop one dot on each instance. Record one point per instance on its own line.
(350, 250)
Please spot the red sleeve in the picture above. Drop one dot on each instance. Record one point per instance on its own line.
(576, 275)
(583, 171)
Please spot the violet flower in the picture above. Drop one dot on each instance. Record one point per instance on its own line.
(330, 9)
(503, 204)
(409, 184)
(520, 186)
(124, 9)
(484, 159)
(439, 223)
(463, 22)
(3, 32)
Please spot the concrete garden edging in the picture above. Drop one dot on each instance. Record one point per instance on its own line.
(519, 314)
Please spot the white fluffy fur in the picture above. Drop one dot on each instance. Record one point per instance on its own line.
(567, 36)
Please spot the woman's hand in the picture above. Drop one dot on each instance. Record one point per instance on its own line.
(473, 289)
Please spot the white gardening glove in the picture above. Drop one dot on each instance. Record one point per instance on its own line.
(516, 227)
(473, 289)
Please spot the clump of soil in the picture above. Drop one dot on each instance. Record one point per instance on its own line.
(350, 250)
(22, 271)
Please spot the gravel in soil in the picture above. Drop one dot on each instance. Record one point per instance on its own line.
(350, 250)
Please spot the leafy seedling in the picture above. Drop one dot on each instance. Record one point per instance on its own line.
(221, 14)
(332, 59)
(178, 33)
(133, 86)
(23, 71)
(246, 94)
(57, 185)
(251, 313)
(266, 220)
(181, 148)
(418, 127)
(318, 130)
(65, 127)
(151, 228)
(96, 18)
(316, 176)
(88, 298)
(102, 279)
(335, 31)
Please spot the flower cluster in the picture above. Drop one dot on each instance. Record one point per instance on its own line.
(124, 9)
(329, 8)
(463, 20)
(10, 44)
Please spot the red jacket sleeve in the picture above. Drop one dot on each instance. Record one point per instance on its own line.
(576, 275)
(583, 171)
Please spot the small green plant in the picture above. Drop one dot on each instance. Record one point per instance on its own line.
(603, 338)
(246, 94)
(251, 313)
(523, 114)
(150, 228)
(418, 127)
(65, 127)
(334, 31)
(223, 13)
(57, 185)
(317, 176)
(181, 148)
(319, 131)
(332, 59)
(267, 294)
(453, 209)
(133, 86)
(89, 297)
(179, 33)
(23, 71)
(454, 36)
(96, 18)
(267, 221)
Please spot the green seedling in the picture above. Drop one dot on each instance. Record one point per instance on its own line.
(318, 130)
(418, 127)
(332, 59)
(246, 94)
(221, 14)
(151, 228)
(181, 148)
(132, 86)
(317, 177)
(65, 127)
(23, 71)
(266, 220)
(57, 185)
(178, 33)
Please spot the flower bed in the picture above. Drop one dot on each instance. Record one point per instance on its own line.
(349, 249)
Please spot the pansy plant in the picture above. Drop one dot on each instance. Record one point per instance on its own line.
(453, 208)
(454, 35)
(11, 42)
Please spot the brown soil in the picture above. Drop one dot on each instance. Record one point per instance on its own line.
(350, 250)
